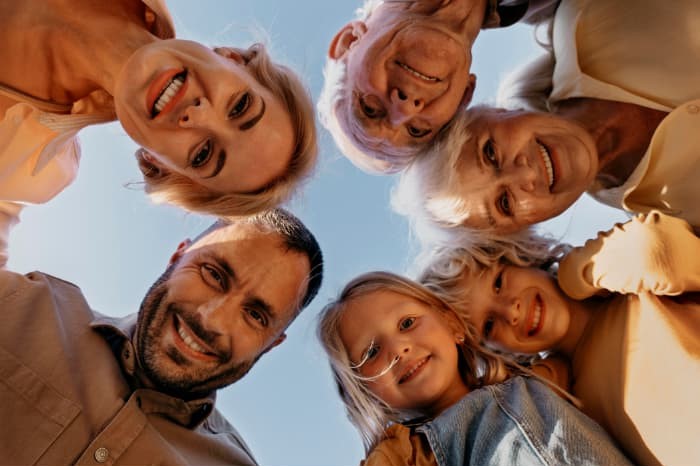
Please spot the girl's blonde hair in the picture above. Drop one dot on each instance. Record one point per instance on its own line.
(173, 188)
(371, 415)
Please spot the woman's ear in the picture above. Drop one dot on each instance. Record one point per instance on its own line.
(345, 38)
(242, 56)
(150, 167)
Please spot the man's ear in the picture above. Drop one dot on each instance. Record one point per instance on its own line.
(181, 249)
(345, 38)
(277, 341)
(469, 91)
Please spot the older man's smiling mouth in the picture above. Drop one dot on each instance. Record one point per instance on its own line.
(417, 73)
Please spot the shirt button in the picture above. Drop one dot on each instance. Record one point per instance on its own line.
(692, 108)
(101, 455)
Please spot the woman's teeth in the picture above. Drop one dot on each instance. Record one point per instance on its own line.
(417, 73)
(547, 159)
(168, 93)
(537, 315)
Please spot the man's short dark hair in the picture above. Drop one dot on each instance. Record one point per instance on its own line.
(295, 237)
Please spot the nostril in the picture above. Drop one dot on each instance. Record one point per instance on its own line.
(416, 103)
(402, 95)
(197, 102)
(185, 119)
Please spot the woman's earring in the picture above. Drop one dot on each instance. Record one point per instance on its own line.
(460, 339)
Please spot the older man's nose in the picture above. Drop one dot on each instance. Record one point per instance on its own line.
(404, 105)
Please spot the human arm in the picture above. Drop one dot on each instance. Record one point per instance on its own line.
(651, 252)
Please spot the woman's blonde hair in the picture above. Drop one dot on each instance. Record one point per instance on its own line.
(371, 415)
(173, 188)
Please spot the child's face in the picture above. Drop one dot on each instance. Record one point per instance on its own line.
(516, 309)
(383, 325)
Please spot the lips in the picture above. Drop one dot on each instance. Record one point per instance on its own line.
(191, 342)
(413, 370)
(546, 157)
(535, 315)
(165, 91)
(416, 73)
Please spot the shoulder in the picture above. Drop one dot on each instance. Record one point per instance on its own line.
(217, 424)
(400, 446)
(14, 284)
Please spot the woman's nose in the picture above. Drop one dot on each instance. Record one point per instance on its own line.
(195, 113)
(524, 174)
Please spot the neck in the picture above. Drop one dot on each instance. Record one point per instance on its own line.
(580, 313)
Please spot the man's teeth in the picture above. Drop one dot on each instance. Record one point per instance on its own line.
(547, 159)
(417, 73)
(189, 341)
(168, 93)
(536, 318)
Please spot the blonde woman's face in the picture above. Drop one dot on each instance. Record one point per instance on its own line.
(520, 168)
(517, 309)
(382, 327)
(204, 115)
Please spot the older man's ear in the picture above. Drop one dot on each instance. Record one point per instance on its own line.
(469, 90)
(345, 38)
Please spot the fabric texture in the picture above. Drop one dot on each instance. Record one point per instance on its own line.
(519, 421)
(637, 366)
(69, 394)
(503, 13)
(611, 51)
(39, 149)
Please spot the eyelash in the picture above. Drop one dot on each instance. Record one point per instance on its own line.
(241, 105)
(368, 110)
(417, 132)
(489, 153)
(504, 204)
(204, 150)
(215, 275)
(261, 319)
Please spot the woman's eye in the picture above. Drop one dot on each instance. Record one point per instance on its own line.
(213, 277)
(407, 323)
(504, 204)
(202, 156)
(488, 328)
(498, 282)
(417, 132)
(489, 151)
(240, 106)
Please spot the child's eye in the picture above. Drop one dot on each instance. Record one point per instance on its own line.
(488, 328)
(407, 323)
(489, 151)
(370, 352)
(498, 282)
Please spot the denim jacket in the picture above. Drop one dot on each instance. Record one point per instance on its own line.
(518, 422)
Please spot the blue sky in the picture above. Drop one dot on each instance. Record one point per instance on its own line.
(104, 235)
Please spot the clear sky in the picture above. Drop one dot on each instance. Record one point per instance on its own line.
(104, 235)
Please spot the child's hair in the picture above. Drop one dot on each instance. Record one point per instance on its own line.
(371, 415)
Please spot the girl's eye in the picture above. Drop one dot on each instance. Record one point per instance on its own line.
(240, 106)
(489, 151)
(488, 328)
(504, 204)
(498, 282)
(202, 156)
(407, 323)
(371, 352)
(417, 132)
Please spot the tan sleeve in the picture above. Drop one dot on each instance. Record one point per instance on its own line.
(400, 447)
(9, 217)
(651, 252)
(554, 368)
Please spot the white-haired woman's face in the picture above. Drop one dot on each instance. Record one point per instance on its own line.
(520, 168)
(203, 114)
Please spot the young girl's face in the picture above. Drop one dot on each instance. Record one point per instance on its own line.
(517, 309)
(383, 326)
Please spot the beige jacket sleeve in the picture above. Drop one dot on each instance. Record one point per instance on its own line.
(401, 447)
(9, 216)
(652, 252)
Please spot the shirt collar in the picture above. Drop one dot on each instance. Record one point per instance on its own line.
(118, 332)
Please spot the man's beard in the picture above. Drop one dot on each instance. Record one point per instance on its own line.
(155, 314)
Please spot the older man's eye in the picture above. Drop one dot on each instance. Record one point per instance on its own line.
(202, 154)
(416, 132)
(370, 108)
(489, 151)
(505, 204)
(240, 105)
(213, 277)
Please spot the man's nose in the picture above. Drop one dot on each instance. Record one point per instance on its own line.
(404, 105)
(196, 113)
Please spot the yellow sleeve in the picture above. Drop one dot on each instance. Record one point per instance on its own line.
(401, 447)
(651, 252)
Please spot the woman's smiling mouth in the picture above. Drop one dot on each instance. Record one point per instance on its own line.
(163, 96)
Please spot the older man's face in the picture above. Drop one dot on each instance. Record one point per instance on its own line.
(406, 78)
(225, 301)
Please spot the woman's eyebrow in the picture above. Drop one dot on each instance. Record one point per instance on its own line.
(254, 121)
(219, 164)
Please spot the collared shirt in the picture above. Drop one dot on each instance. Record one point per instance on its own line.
(69, 395)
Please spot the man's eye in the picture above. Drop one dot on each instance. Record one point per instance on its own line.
(488, 328)
(504, 204)
(498, 282)
(241, 105)
(213, 277)
(407, 323)
(257, 316)
(369, 109)
(203, 154)
(489, 151)
(418, 132)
